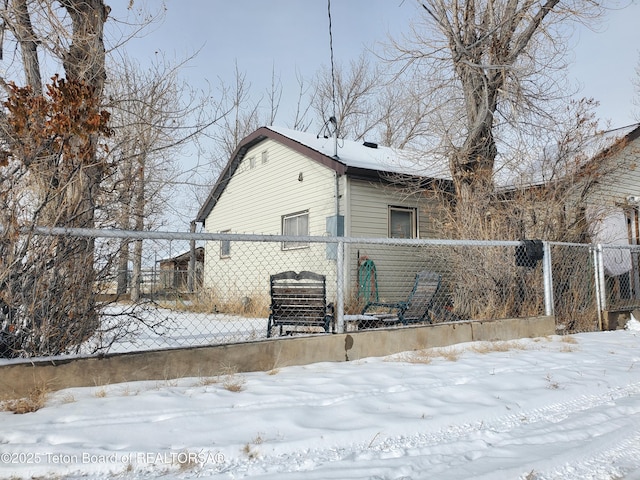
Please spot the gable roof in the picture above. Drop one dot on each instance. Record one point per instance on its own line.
(357, 159)
(591, 152)
(183, 257)
(614, 138)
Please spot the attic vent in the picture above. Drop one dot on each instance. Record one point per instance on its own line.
(370, 144)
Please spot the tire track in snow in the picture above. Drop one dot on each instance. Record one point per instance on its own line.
(613, 463)
(597, 466)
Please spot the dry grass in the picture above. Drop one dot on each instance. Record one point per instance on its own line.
(501, 346)
(167, 382)
(568, 349)
(100, 393)
(543, 339)
(569, 339)
(551, 384)
(67, 398)
(452, 354)
(209, 301)
(233, 383)
(428, 355)
(230, 380)
(353, 305)
(420, 356)
(33, 402)
(206, 381)
(250, 450)
(127, 391)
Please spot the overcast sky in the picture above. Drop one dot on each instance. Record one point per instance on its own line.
(291, 36)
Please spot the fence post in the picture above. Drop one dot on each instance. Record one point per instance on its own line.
(601, 297)
(547, 272)
(191, 270)
(340, 327)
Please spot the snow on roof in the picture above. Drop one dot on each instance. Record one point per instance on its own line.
(380, 158)
(547, 165)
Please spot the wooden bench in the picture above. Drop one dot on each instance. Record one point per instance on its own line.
(299, 300)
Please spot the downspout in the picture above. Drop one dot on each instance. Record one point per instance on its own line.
(337, 177)
(340, 265)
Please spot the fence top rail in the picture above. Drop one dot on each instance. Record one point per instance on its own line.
(250, 237)
(572, 244)
(159, 235)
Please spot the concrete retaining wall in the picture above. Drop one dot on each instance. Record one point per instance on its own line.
(18, 379)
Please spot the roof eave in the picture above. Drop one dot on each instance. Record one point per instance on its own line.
(245, 144)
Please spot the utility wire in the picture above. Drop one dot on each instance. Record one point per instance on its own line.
(333, 74)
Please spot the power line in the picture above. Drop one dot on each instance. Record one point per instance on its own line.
(333, 74)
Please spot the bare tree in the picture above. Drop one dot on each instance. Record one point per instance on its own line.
(154, 114)
(500, 115)
(495, 66)
(244, 117)
(371, 105)
(636, 85)
(306, 98)
(350, 95)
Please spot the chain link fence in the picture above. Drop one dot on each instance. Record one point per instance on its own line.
(170, 290)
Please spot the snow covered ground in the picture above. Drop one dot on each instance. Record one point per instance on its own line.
(548, 408)
(156, 328)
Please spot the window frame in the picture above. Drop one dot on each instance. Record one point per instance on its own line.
(413, 218)
(283, 222)
(224, 243)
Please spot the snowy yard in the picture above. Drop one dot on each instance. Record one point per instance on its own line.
(154, 327)
(549, 408)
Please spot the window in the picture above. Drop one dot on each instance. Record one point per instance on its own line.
(402, 222)
(295, 224)
(265, 157)
(252, 162)
(225, 246)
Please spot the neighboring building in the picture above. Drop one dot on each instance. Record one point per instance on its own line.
(174, 272)
(617, 192)
(614, 210)
(280, 181)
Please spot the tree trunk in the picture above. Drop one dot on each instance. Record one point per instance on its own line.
(26, 37)
(122, 275)
(138, 213)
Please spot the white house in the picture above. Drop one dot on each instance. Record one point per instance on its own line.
(280, 181)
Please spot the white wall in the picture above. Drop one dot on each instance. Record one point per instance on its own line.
(254, 202)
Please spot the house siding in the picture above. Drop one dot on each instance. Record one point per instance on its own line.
(254, 201)
(396, 265)
(371, 201)
(621, 177)
(259, 194)
(256, 198)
